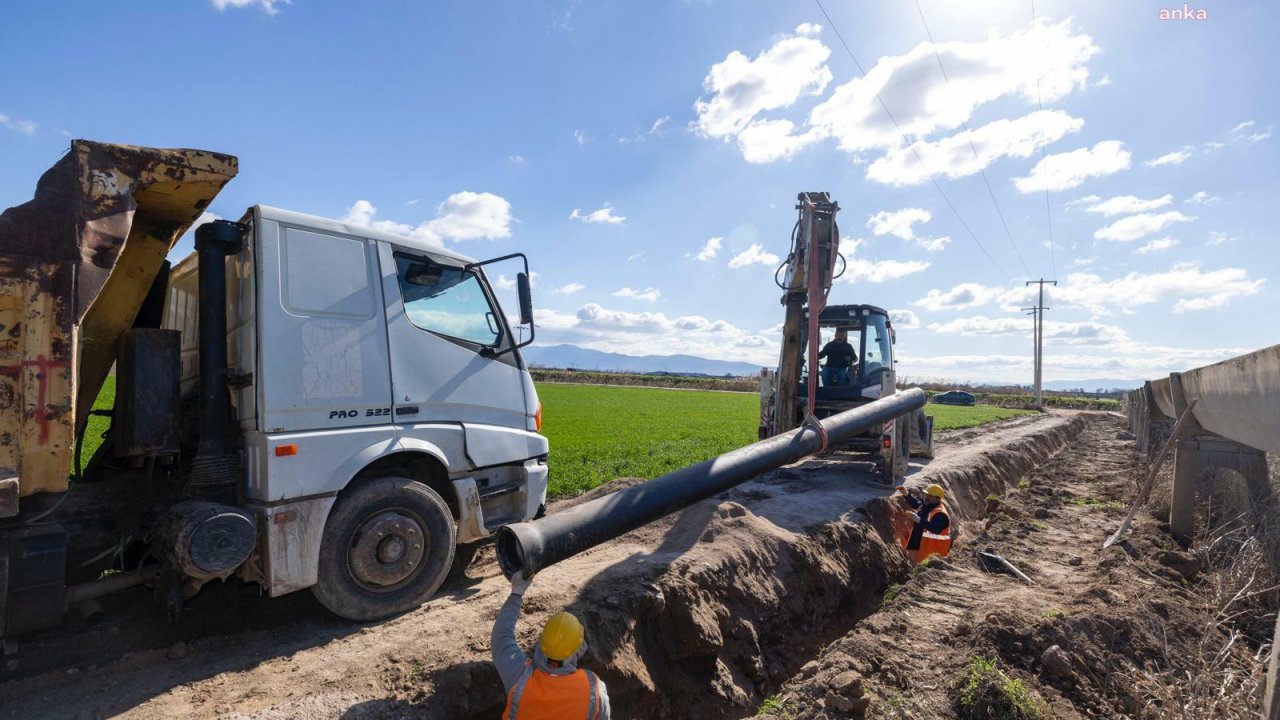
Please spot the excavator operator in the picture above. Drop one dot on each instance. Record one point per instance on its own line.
(550, 685)
(840, 357)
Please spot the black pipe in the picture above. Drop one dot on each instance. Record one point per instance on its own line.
(529, 547)
(215, 464)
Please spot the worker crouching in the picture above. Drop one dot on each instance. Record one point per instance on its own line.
(550, 685)
(930, 532)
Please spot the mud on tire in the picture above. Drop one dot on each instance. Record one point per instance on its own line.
(387, 547)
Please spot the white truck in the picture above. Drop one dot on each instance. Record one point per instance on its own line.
(300, 403)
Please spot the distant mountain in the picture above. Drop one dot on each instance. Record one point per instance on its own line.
(1091, 385)
(572, 356)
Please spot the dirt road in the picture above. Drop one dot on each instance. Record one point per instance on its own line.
(700, 615)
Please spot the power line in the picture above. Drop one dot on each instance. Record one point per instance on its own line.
(911, 146)
(1048, 212)
(972, 149)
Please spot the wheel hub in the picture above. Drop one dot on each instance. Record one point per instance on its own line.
(387, 550)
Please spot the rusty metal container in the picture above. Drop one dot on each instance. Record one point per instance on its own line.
(76, 263)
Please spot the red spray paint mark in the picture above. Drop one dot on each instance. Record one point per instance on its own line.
(42, 365)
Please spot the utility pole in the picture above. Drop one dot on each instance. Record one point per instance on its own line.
(1039, 336)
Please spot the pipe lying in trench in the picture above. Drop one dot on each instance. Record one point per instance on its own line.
(529, 547)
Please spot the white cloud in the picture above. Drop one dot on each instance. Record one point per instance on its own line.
(506, 283)
(1218, 238)
(765, 141)
(955, 157)
(603, 215)
(1203, 198)
(1242, 127)
(709, 250)
(1055, 332)
(1140, 225)
(980, 73)
(1163, 243)
(659, 126)
(1064, 171)
(580, 137)
(1080, 262)
(471, 216)
(515, 159)
(878, 271)
(1239, 135)
(964, 295)
(808, 29)
(1125, 204)
(646, 295)
(635, 256)
(1213, 145)
(1186, 285)
(1177, 157)
(462, 216)
(754, 255)
(26, 127)
(570, 288)
(742, 88)
(904, 319)
(270, 7)
(638, 333)
(899, 222)
(1106, 80)
(1136, 362)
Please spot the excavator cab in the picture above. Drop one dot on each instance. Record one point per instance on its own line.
(868, 330)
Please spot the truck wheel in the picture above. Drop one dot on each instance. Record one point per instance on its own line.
(387, 547)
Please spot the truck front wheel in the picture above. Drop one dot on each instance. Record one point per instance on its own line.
(387, 547)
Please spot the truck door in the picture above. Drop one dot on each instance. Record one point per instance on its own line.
(443, 327)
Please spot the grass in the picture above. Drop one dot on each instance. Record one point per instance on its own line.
(601, 432)
(97, 424)
(891, 593)
(986, 692)
(776, 707)
(958, 417)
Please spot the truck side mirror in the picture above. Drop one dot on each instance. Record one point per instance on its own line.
(526, 299)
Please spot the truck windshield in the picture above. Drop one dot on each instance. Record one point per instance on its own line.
(447, 300)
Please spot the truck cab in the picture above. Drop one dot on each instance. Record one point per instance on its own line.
(362, 359)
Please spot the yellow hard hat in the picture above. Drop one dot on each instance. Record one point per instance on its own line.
(936, 491)
(561, 637)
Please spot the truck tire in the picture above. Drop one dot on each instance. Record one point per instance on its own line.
(387, 547)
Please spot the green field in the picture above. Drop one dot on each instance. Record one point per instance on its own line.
(600, 432)
(97, 425)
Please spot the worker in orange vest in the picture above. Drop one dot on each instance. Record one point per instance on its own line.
(931, 524)
(550, 685)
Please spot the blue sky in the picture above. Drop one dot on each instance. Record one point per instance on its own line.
(613, 141)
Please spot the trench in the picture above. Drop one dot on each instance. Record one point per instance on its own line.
(712, 633)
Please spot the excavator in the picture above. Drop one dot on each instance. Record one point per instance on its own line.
(792, 395)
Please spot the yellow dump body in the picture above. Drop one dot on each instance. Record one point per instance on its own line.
(76, 263)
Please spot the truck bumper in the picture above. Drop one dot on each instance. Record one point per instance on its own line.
(495, 497)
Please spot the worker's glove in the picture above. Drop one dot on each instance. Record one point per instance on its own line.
(519, 583)
(915, 517)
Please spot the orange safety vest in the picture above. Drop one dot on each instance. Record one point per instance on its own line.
(930, 543)
(542, 696)
(936, 543)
